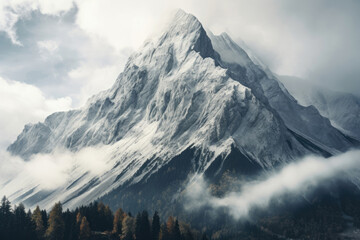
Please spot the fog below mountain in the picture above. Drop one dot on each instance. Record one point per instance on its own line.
(49, 171)
(293, 178)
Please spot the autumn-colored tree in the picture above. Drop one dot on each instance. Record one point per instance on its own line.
(173, 228)
(56, 224)
(118, 218)
(78, 218)
(37, 218)
(170, 224)
(85, 231)
(128, 225)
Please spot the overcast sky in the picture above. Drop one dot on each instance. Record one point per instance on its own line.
(54, 54)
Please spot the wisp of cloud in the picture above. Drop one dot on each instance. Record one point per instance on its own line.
(293, 178)
(49, 171)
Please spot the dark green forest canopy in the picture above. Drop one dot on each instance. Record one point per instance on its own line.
(95, 221)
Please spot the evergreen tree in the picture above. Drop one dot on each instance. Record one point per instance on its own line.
(118, 218)
(44, 218)
(5, 208)
(145, 225)
(23, 227)
(37, 218)
(142, 226)
(56, 224)
(164, 233)
(71, 227)
(176, 231)
(187, 235)
(85, 232)
(6, 218)
(155, 227)
(185, 229)
(204, 237)
(103, 218)
(108, 218)
(29, 214)
(138, 230)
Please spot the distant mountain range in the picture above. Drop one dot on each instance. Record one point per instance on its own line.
(342, 109)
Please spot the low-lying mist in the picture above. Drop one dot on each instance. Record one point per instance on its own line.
(52, 170)
(294, 178)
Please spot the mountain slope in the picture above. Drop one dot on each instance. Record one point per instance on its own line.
(177, 109)
(305, 121)
(343, 109)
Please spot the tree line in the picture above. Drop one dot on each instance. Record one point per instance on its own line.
(94, 221)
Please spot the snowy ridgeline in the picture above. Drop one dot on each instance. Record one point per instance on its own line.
(183, 89)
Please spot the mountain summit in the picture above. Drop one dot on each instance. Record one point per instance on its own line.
(186, 103)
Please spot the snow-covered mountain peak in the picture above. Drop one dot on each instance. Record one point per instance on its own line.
(183, 34)
(230, 51)
(183, 23)
(180, 91)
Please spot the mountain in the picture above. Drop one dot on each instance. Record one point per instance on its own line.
(187, 103)
(343, 109)
(305, 121)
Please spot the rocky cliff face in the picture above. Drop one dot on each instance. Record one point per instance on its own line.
(342, 109)
(305, 121)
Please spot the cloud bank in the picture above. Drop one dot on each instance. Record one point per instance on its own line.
(50, 171)
(12, 11)
(313, 40)
(294, 178)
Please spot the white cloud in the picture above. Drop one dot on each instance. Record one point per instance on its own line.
(54, 170)
(120, 24)
(8, 20)
(97, 71)
(93, 80)
(54, 7)
(13, 10)
(49, 46)
(22, 103)
(10, 166)
(50, 171)
(294, 178)
(300, 38)
(48, 50)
